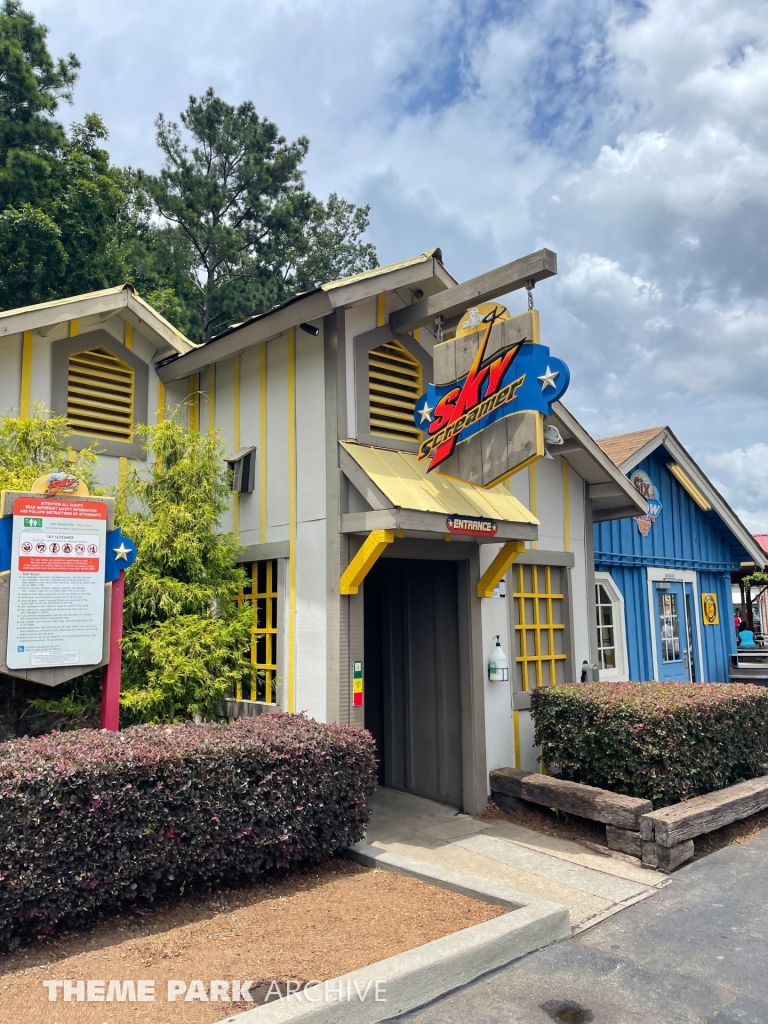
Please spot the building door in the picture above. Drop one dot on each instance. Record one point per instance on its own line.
(412, 673)
(673, 645)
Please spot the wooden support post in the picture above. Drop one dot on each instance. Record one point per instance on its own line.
(364, 560)
(110, 687)
(498, 567)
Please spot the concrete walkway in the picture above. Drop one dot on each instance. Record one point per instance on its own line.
(694, 952)
(590, 885)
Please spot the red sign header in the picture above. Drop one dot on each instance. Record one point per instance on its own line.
(69, 509)
(472, 527)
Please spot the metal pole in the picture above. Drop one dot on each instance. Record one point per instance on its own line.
(110, 687)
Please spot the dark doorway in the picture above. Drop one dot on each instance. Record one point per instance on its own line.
(412, 676)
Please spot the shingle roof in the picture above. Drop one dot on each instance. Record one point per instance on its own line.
(621, 447)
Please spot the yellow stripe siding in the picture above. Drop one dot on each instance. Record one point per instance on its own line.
(236, 440)
(74, 328)
(381, 309)
(566, 508)
(160, 402)
(291, 518)
(25, 396)
(128, 337)
(263, 442)
(532, 494)
(516, 732)
(194, 401)
(211, 399)
(122, 472)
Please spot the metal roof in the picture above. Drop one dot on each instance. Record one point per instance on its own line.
(405, 482)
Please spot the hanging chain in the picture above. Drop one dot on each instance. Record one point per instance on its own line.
(529, 288)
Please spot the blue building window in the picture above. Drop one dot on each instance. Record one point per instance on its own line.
(669, 625)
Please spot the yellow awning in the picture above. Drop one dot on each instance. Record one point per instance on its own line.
(406, 484)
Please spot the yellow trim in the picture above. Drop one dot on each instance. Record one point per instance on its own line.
(74, 328)
(160, 402)
(536, 596)
(381, 309)
(194, 401)
(122, 472)
(516, 733)
(566, 508)
(498, 567)
(211, 398)
(128, 336)
(236, 439)
(25, 397)
(532, 494)
(364, 560)
(688, 485)
(291, 518)
(263, 442)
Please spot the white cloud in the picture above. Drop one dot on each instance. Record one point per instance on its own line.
(742, 476)
(633, 141)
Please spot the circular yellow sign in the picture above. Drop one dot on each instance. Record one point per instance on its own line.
(473, 319)
(65, 484)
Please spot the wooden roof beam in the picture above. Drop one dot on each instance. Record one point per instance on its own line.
(455, 301)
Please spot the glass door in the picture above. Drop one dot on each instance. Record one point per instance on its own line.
(671, 633)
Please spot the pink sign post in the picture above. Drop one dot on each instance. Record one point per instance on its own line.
(110, 690)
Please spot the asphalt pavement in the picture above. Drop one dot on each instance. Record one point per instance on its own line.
(695, 951)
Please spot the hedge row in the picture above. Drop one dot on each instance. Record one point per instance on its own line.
(665, 742)
(92, 820)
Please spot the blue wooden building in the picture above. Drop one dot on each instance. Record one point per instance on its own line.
(663, 580)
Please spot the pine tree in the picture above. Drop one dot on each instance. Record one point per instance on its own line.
(186, 645)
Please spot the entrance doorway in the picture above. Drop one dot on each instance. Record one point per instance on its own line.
(413, 676)
(675, 625)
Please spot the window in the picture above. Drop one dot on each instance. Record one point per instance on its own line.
(606, 630)
(669, 625)
(611, 634)
(100, 395)
(394, 387)
(538, 601)
(260, 593)
(242, 468)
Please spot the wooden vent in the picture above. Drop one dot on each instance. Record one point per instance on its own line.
(100, 395)
(394, 387)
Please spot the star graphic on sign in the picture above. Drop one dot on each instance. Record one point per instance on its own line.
(426, 412)
(548, 379)
(122, 552)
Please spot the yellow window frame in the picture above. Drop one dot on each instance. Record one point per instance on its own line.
(537, 627)
(261, 595)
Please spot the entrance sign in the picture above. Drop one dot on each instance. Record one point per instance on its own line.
(484, 377)
(56, 600)
(471, 527)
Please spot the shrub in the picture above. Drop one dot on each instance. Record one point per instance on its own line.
(92, 820)
(665, 742)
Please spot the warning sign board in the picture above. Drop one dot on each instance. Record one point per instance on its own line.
(56, 600)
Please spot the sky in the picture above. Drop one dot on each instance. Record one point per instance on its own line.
(629, 137)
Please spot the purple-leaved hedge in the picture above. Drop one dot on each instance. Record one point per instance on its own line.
(92, 820)
(664, 742)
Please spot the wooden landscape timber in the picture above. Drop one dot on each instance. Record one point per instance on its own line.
(624, 840)
(670, 826)
(623, 812)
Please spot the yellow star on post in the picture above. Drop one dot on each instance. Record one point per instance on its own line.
(122, 552)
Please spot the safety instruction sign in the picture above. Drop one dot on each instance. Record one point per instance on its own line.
(56, 599)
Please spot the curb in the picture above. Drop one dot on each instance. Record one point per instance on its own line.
(417, 976)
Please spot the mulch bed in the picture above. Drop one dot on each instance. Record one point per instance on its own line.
(332, 919)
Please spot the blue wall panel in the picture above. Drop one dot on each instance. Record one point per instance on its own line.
(683, 537)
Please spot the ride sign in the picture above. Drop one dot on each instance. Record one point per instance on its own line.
(56, 598)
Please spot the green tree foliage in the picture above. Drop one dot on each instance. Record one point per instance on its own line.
(31, 447)
(232, 195)
(186, 645)
(61, 202)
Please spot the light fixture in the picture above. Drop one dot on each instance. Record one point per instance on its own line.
(309, 329)
(688, 485)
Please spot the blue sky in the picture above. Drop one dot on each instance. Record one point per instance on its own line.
(631, 138)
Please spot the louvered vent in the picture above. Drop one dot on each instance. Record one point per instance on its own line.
(394, 387)
(100, 395)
